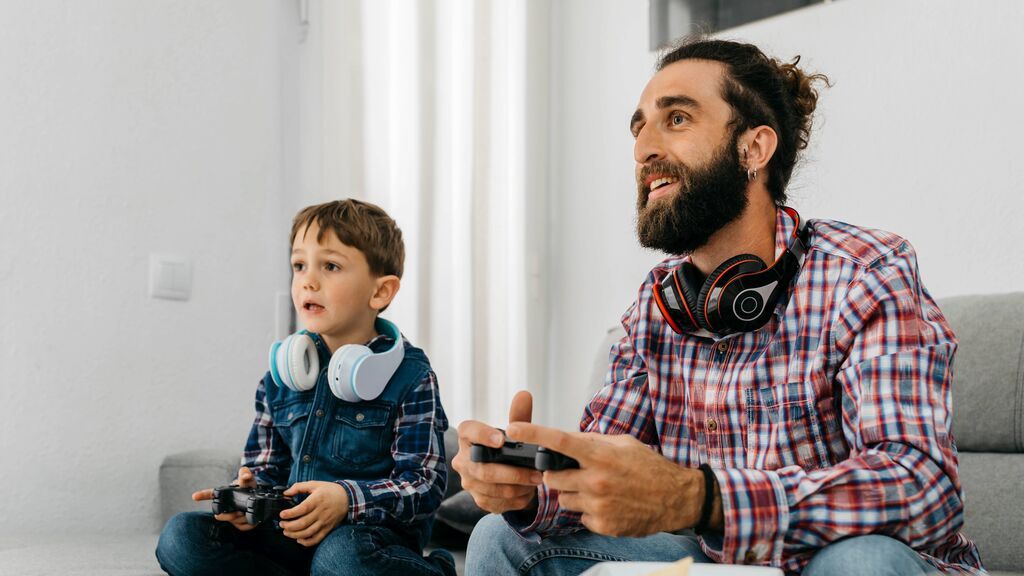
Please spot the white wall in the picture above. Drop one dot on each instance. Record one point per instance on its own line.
(917, 136)
(130, 128)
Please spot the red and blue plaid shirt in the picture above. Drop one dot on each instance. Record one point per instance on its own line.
(832, 420)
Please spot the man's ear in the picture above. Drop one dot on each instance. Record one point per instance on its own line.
(757, 146)
(386, 287)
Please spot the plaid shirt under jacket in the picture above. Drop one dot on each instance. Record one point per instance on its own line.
(833, 420)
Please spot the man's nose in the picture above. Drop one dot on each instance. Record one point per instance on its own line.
(648, 146)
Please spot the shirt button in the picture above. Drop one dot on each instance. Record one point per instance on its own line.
(320, 413)
(360, 417)
(712, 425)
(750, 557)
(722, 346)
(307, 458)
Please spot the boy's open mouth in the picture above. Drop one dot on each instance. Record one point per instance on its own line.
(312, 306)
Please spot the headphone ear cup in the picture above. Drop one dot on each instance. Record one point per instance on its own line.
(294, 363)
(341, 374)
(690, 281)
(672, 302)
(708, 299)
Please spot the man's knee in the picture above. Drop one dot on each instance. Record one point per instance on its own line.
(490, 547)
(182, 537)
(872, 555)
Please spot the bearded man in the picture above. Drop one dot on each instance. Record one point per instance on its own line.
(782, 396)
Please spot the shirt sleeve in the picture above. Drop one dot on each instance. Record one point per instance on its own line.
(417, 482)
(622, 406)
(894, 373)
(266, 454)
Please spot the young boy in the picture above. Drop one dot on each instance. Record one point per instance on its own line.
(369, 474)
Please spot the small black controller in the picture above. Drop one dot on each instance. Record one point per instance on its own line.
(551, 460)
(258, 504)
(523, 455)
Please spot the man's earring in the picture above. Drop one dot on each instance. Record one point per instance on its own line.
(752, 174)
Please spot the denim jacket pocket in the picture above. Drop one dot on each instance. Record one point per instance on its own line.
(290, 419)
(362, 433)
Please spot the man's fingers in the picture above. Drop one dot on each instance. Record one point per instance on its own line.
(472, 431)
(493, 473)
(499, 505)
(507, 491)
(203, 495)
(574, 445)
(521, 409)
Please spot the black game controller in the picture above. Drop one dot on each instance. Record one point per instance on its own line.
(523, 455)
(258, 504)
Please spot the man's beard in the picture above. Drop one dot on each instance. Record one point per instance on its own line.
(709, 197)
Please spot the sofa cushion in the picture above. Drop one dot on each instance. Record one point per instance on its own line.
(994, 507)
(183, 473)
(988, 375)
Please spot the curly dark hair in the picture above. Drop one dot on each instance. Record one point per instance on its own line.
(761, 91)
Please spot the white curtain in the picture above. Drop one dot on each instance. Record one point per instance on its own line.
(435, 110)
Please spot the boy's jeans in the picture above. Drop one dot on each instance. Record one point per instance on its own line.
(496, 550)
(193, 543)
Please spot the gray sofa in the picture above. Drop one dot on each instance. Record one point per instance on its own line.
(988, 423)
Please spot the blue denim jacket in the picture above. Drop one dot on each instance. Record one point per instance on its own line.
(328, 439)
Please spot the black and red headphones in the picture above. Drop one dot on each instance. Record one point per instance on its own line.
(738, 296)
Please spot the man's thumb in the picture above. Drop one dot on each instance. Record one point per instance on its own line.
(522, 407)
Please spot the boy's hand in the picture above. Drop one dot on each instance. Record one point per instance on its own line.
(237, 519)
(313, 519)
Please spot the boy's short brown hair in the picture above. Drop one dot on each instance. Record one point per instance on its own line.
(361, 225)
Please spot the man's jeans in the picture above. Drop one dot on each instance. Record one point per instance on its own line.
(193, 543)
(495, 549)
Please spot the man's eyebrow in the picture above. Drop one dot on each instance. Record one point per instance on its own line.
(662, 103)
(679, 100)
(638, 117)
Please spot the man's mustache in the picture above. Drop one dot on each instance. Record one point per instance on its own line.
(660, 168)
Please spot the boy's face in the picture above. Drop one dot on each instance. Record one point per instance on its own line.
(333, 291)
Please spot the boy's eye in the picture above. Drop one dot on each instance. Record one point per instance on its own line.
(298, 266)
(332, 267)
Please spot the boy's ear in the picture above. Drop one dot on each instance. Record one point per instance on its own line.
(386, 288)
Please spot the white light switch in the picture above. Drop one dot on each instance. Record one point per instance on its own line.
(170, 277)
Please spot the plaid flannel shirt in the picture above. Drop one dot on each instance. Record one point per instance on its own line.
(832, 420)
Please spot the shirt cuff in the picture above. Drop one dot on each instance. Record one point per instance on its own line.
(359, 509)
(756, 513)
(531, 526)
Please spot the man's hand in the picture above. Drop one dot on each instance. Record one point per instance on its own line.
(623, 488)
(321, 511)
(496, 487)
(237, 519)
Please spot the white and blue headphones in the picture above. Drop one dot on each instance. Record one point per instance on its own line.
(355, 374)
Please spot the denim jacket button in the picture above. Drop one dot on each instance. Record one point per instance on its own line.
(307, 458)
(320, 413)
(360, 417)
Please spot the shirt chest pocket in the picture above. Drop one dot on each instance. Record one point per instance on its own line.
(783, 428)
(362, 433)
